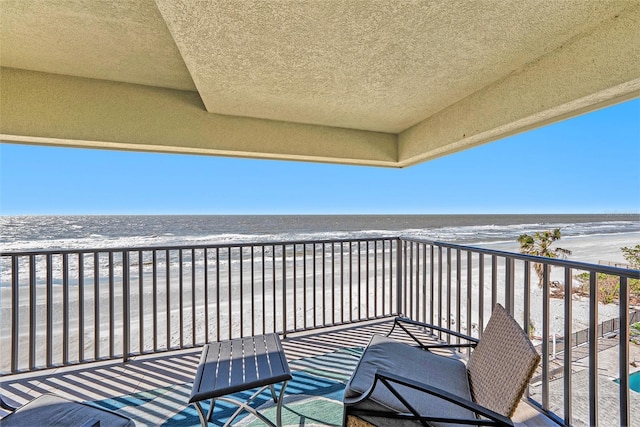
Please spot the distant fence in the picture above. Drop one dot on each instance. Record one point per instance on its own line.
(615, 264)
(604, 328)
(607, 327)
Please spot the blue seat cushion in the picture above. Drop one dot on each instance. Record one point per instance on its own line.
(385, 354)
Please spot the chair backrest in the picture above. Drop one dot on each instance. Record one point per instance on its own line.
(502, 364)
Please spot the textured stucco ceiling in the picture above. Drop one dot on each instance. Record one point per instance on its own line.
(367, 82)
(374, 65)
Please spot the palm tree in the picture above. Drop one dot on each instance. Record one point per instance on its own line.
(540, 245)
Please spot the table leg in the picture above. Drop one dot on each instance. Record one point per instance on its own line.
(203, 419)
(212, 405)
(279, 407)
(245, 406)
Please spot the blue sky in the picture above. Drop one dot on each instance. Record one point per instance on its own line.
(588, 164)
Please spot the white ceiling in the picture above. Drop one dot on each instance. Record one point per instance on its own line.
(378, 66)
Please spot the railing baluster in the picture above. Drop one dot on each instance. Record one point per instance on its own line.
(193, 297)
(154, 296)
(494, 281)
(424, 283)
(230, 293)
(15, 314)
(333, 283)
(527, 296)
(273, 293)
(218, 332)
(458, 292)
(81, 307)
(181, 298)
(96, 304)
(284, 291)
(469, 295)
(625, 414)
(431, 283)
(359, 287)
(32, 312)
(393, 281)
(241, 290)
(384, 281)
(350, 281)
(509, 287)
(205, 286)
(253, 291)
(324, 280)
(480, 295)
(126, 313)
(141, 301)
(448, 291)
(294, 288)
(593, 349)
(315, 291)
(440, 285)
(408, 263)
(65, 309)
(304, 285)
(49, 293)
(168, 296)
(568, 345)
(342, 298)
(546, 297)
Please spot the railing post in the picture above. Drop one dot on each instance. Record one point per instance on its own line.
(65, 309)
(126, 315)
(32, 311)
(399, 279)
(593, 349)
(15, 313)
(510, 285)
(568, 345)
(546, 300)
(284, 289)
(625, 416)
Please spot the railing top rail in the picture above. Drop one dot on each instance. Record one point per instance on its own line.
(188, 247)
(577, 265)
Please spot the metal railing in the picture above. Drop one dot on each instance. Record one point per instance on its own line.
(68, 307)
(71, 307)
(456, 286)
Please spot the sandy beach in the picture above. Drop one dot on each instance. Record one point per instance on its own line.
(592, 249)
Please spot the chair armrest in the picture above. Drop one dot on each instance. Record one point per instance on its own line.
(387, 379)
(398, 321)
(5, 405)
(91, 422)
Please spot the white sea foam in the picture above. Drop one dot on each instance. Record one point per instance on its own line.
(47, 233)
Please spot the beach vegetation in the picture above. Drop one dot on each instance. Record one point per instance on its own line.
(609, 285)
(634, 333)
(540, 244)
(608, 288)
(632, 255)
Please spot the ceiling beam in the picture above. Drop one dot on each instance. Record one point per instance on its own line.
(50, 109)
(592, 71)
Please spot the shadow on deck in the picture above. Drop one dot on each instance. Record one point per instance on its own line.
(174, 371)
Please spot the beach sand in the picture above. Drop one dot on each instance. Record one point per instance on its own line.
(591, 249)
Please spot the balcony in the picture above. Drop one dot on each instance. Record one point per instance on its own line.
(107, 324)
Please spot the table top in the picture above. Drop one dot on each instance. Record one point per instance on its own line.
(240, 364)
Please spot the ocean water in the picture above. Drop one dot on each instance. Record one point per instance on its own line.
(34, 233)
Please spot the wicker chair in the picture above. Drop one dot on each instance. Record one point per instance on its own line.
(396, 384)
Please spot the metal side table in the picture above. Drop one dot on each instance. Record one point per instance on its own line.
(232, 366)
